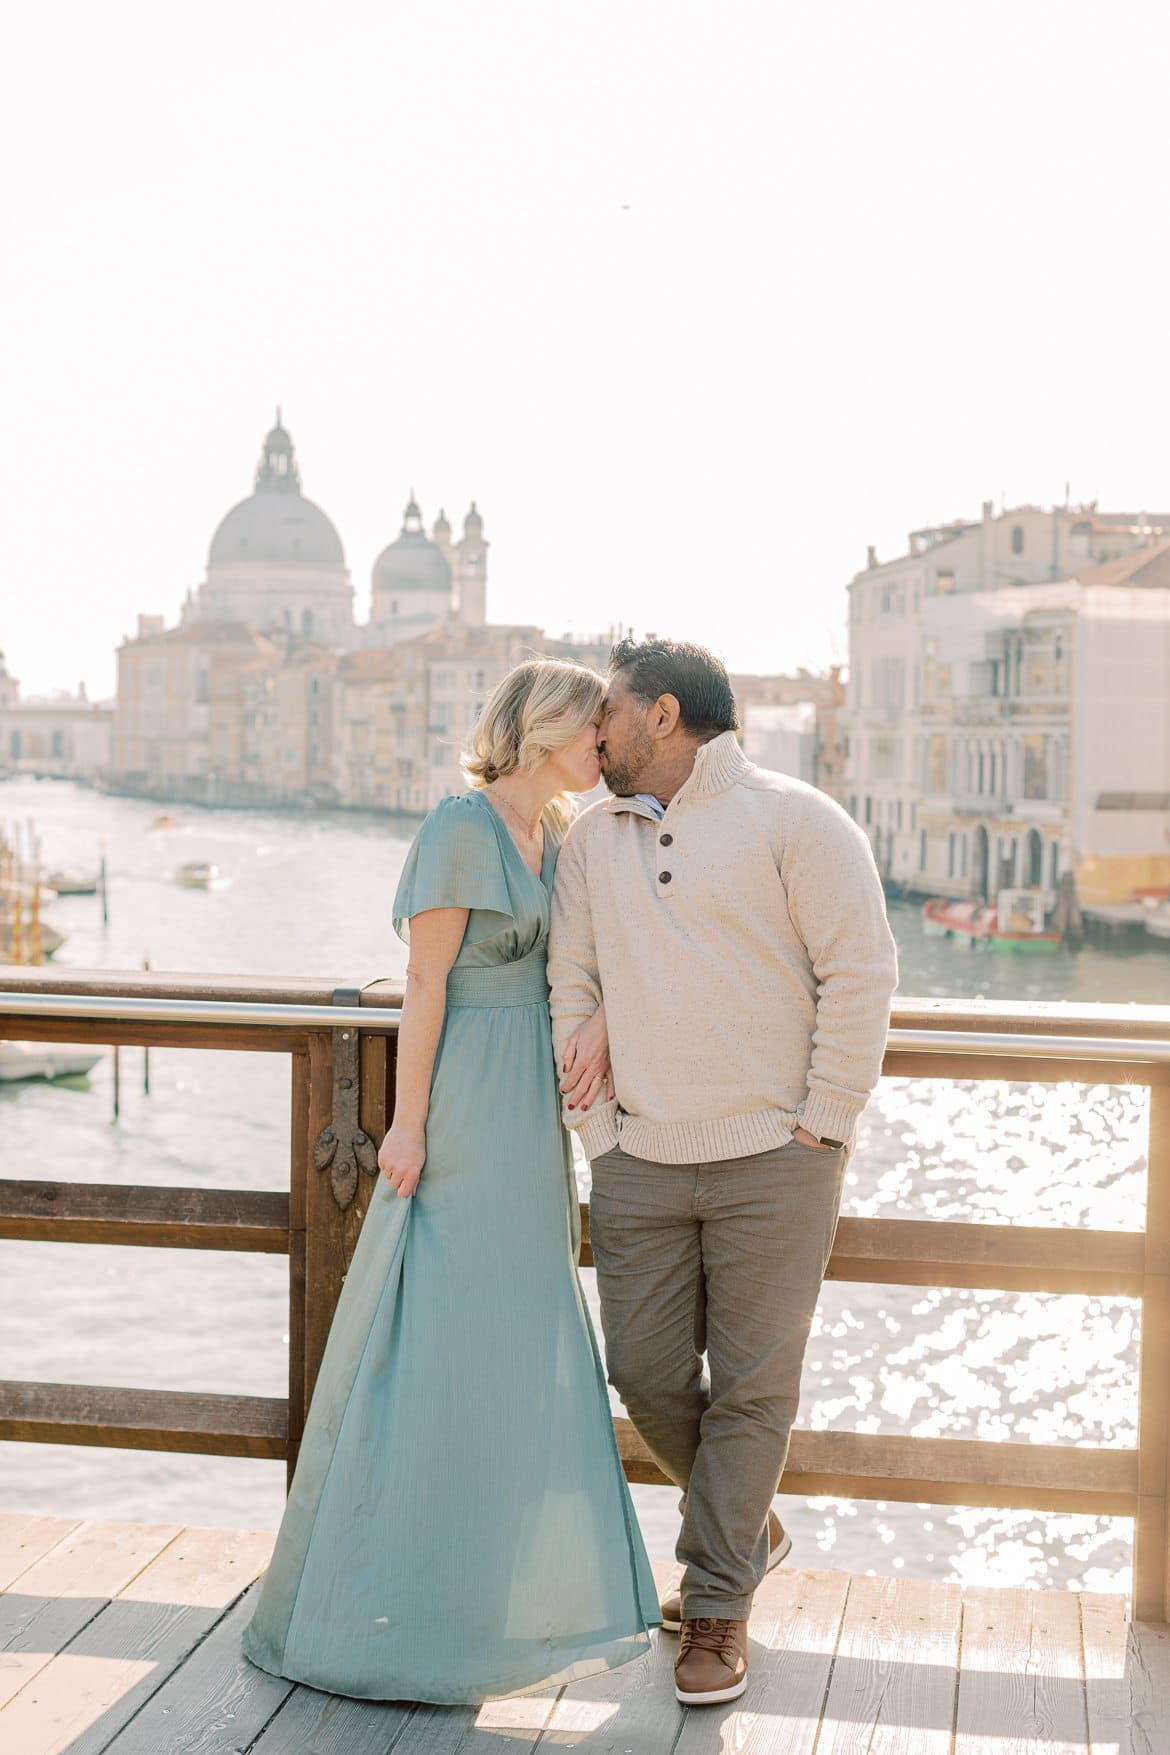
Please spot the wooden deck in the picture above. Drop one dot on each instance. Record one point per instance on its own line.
(125, 1638)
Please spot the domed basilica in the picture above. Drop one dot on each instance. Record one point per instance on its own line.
(276, 563)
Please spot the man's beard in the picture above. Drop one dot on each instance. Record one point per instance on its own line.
(624, 775)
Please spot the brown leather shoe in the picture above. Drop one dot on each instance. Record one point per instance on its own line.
(712, 1662)
(779, 1548)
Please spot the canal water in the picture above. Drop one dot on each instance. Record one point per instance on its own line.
(311, 896)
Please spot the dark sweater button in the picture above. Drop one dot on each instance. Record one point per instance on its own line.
(664, 877)
(666, 840)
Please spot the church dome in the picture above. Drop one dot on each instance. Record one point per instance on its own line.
(412, 562)
(277, 524)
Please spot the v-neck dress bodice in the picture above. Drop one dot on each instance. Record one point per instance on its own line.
(459, 1525)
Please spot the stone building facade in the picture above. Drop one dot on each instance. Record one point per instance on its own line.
(895, 660)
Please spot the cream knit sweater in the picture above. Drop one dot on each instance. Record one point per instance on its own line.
(742, 948)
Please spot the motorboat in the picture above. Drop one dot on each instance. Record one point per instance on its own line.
(22, 1061)
(1157, 922)
(198, 875)
(163, 819)
(945, 917)
(74, 883)
(1015, 921)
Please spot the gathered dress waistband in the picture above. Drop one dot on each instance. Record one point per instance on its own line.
(523, 982)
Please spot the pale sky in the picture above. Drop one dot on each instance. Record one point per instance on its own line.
(696, 300)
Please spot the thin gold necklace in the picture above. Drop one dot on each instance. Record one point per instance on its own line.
(528, 832)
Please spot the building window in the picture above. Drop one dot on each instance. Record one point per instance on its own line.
(1017, 539)
(868, 810)
(58, 744)
(899, 813)
(306, 622)
(1035, 767)
(951, 854)
(922, 850)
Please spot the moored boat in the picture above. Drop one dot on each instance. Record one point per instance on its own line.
(74, 883)
(22, 1061)
(197, 874)
(1014, 922)
(945, 917)
(1157, 923)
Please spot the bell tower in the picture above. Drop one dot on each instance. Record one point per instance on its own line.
(471, 571)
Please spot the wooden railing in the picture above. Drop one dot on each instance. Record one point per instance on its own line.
(943, 1039)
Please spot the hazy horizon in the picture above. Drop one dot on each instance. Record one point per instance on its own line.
(695, 302)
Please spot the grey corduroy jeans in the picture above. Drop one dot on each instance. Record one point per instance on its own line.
(726, 1260)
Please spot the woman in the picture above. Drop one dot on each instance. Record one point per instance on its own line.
(459, 1525)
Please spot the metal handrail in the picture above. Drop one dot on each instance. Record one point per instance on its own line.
(98, 1008)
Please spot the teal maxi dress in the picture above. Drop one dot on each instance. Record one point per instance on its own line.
(459, 1525)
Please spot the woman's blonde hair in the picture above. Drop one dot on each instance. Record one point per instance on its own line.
(539, 707)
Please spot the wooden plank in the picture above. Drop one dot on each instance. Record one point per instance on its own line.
(1104, 1639)
(632, 1707)
(924, 1063)
(1025, 1016)
(152, 1215)
(241, 1038)
(896, 1671)
(1147, 1691)
(513, 1725)
(310, 1723)
(84, 1695)
(938, 1471)
(793, 1634)
(59, 1595)
(25, 1538)
(171, 984)
(143, 1419)
(216, 1703)
(1151, 1536)
(1021, 1677)
(928, 1252)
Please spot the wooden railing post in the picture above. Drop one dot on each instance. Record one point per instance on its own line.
(1151, 1544)
(322, 1232)
(299, 1161)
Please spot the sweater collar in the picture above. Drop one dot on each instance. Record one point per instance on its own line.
(719, 764)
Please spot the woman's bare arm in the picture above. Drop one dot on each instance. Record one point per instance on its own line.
(435, 938)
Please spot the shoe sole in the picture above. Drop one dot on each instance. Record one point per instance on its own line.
(715, 1697)
(782, 1553)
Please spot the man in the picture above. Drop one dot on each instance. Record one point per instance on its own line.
(733, 922)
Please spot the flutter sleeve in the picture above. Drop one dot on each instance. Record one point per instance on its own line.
(455, 862)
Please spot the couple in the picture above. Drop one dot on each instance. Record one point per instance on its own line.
(459, 1525)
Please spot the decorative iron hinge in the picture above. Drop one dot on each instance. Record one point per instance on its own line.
(343, 1148)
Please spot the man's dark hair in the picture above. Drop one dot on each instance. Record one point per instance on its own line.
(694, 676)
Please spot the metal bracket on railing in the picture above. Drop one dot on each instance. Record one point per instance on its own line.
(343, 1148)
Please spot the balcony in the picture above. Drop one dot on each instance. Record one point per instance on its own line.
(125, 1638)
